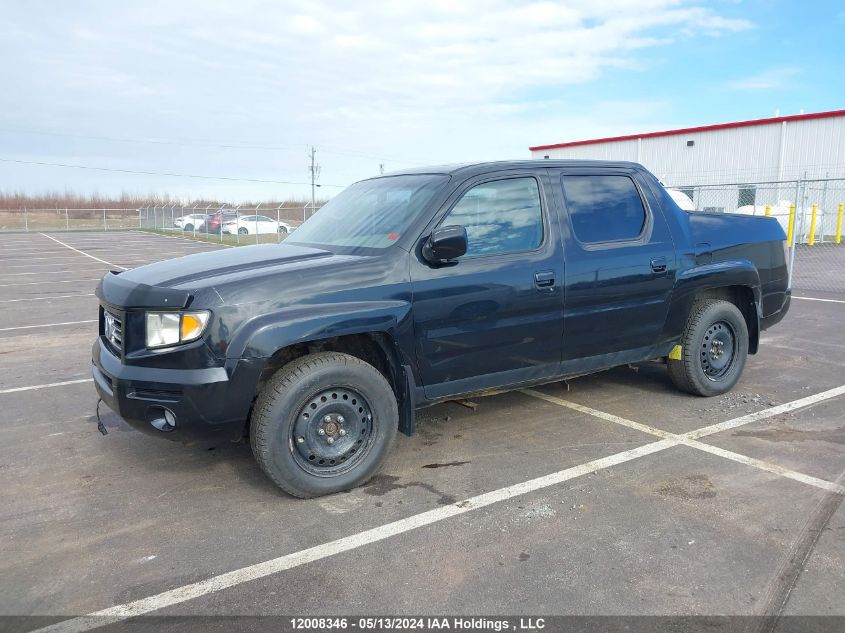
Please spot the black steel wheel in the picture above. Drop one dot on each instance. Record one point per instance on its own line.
(714, 347)
(718, 350)
(332, 432)
(323, 423)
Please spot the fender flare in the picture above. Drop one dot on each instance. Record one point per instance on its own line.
(713, 278)
(261, 337)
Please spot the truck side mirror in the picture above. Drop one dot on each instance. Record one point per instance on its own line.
(445, 244)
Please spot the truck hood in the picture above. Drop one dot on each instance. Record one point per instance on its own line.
(171, 283)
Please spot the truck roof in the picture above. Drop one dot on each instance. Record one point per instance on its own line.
(469, 169)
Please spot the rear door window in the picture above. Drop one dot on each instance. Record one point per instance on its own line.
(604, 208)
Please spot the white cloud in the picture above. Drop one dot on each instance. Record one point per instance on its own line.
(420, 80)
(769, 79)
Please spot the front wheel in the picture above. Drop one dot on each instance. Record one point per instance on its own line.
(243, 231)
(714, 347)
(323, 423)
(188, 227)
(283, 230)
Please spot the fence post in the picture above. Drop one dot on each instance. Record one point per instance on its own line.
(67, 220)
(838, 236)
(105, 226)
(812, 239)
(278, 220)
(25, 220)
(768, 210)
(798, 196)
(256, 222)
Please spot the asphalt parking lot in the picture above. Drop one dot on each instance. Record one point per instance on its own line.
(611, 494)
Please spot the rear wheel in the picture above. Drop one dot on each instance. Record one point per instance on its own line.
(283, 230)
(323, 423)
(188, 227)
(714, 348)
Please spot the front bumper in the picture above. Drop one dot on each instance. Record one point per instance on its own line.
(209, 403)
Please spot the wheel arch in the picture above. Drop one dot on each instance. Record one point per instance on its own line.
(743, 298)
(736, 281)
(378, 349)
(370, 331)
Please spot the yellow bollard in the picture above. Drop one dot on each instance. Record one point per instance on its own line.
(813, 226)
(768, 210)
(839, 225)
(791, 230)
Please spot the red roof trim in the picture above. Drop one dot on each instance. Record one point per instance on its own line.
(701, 128)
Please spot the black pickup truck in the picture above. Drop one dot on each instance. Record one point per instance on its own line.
(426, 285)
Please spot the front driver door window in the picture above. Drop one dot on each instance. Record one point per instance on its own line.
(502, 216)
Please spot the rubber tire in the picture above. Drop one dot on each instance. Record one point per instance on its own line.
(283, 230)
(289, 390)
(687, 373)
(188, 227)
(243, 231)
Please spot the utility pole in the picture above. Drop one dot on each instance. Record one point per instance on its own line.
(315, 173)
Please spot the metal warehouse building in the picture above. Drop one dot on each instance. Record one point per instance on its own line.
(742, 166)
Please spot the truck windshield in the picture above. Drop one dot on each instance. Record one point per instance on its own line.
(371, 213)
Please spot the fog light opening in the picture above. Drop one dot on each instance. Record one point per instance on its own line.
(161, 419)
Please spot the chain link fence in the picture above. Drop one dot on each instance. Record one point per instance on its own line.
(68, 219)
(227, 224)
(236, 225)
(810, 212)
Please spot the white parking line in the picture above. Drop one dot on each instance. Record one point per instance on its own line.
(82, 252)
(332, 548)
(816, 299)
(69, 265)
(689, 439)
(55, 272)
(51, 281)
(249, 573)
(767, 466)
(32, 327)
(48, 385)
(88, 294)
(29, 259)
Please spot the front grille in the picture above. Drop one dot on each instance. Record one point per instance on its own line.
(113, 330)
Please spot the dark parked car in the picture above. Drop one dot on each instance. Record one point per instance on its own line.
(422, 286)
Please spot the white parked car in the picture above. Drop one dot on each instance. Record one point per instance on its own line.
(191, 222)
(255, 224)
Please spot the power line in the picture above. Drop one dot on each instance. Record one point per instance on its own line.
(163, 173)
(159, 141)
(340, 151)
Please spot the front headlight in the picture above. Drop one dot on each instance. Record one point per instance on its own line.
(172, 328)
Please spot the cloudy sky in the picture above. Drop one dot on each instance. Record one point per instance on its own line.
(237, 92)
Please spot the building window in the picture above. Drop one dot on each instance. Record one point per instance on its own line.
(746, 197)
